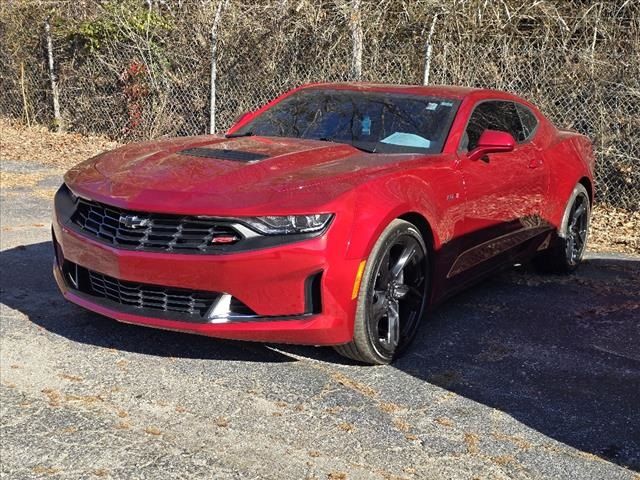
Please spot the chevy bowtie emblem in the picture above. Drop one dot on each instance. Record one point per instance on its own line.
(133, 221)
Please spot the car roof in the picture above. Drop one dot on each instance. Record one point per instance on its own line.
(447, 91)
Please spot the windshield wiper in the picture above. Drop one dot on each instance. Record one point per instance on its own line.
(240, 134)
(360, 147)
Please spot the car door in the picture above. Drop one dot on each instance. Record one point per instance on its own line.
(504, 192)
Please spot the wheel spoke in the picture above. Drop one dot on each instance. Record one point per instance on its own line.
(383, 271)
(578, 213)
(378, 306)
(583, 235)
(571, 247)
(393, 332)
(406, 255)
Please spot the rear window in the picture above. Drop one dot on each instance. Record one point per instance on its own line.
(528, 119)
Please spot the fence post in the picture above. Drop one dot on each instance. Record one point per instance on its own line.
(214, 46)
(25, 104)
(356, 35)
(55, 94)
(427, 53)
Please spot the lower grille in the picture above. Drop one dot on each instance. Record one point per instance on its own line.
(182, 304)
(148, 296)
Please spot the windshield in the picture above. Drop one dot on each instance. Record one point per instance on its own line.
(376, 122)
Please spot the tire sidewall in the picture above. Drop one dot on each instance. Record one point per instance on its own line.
(562, 234)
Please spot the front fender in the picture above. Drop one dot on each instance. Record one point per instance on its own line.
(378, 203)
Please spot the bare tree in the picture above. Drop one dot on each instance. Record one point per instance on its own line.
(55, 93)
(428, 50)
(214, 65)
(356, 33)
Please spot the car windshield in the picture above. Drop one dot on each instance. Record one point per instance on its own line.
(370, 121)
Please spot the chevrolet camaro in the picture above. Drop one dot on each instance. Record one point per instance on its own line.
(337, 214)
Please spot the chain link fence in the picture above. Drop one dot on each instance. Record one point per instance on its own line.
(581, 66)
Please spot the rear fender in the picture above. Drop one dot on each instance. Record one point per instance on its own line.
(572, 159)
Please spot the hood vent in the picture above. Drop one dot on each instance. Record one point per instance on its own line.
(233, 155)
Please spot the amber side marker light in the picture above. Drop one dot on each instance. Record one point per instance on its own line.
(356, 284)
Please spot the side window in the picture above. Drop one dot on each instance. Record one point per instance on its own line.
(528, 120)
(492, 115)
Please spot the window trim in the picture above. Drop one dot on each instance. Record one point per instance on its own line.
(485, 100)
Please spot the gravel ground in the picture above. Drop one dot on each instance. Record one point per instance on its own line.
(523, 376)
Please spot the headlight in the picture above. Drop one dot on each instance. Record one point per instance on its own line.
(282, 225)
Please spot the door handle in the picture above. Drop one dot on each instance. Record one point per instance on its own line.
(535, 163)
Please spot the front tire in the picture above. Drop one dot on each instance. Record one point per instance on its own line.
(569, 243)
(393, 296)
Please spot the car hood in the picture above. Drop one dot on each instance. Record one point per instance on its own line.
(213, 175)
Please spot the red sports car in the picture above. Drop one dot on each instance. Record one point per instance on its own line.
(337, 214)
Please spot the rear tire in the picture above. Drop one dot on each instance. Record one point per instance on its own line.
(567, 247)
(393, 296)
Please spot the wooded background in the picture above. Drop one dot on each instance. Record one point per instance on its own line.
(138, 69)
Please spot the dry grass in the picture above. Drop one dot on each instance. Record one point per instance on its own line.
(39, 145)
(471, 441)
(346, 427)
(337, 476)
(402, 425)
(444, 421)
(49, 471)
(28, 180)
(614, 230)
(84, 399)
(521, 443)
(53, 396)
(352, 384)
(389, 407)
(221, 422)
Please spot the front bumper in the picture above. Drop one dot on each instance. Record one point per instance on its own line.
(273, 282)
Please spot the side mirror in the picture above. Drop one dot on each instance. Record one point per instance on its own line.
(492, 141)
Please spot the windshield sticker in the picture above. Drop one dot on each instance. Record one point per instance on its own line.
(446, 104)
(432, 106)
(366, 125)
(407, 140)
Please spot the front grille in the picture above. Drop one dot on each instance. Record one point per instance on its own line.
(151, 231)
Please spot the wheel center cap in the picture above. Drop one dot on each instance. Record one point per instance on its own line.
(397, 291)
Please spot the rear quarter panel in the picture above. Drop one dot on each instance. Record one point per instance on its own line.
(570, 158)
